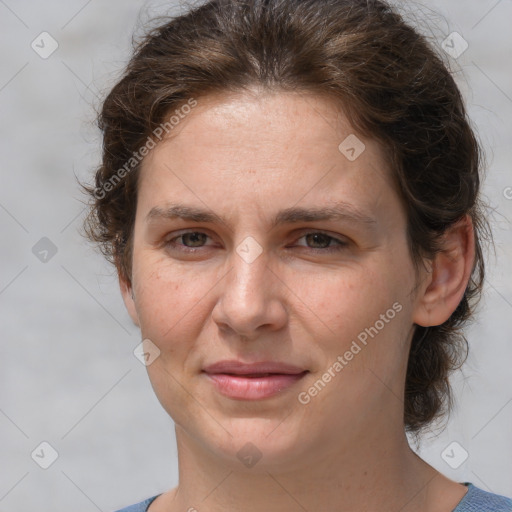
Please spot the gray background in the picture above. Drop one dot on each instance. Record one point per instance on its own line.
(68, 375)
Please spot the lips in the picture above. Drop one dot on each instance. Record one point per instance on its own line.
(234, 367)
(252, 381)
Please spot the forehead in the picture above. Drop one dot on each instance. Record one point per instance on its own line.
(251, 146)
(277, 119)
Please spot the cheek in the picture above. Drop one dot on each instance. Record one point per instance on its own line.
(344, 301)
(169, 302)
(360, 313)
(170, 305)
(360, 324)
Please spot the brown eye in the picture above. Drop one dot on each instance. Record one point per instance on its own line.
(195, 238)
(323, 242)
(190, 240)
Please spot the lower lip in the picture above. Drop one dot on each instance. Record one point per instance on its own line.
(252, 388)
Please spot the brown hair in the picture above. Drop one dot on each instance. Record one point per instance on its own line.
(393, 86)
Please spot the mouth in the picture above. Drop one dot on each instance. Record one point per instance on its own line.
(253, 386)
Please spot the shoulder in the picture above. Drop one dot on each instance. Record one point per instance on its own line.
(478, 500)
(139, 507)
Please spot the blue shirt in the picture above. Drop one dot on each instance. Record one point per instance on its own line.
(475, 500)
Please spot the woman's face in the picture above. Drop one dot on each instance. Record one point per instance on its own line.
(262, 281)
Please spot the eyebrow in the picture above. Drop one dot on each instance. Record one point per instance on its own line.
(337, 212)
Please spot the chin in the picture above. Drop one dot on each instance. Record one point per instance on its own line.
(259, 444)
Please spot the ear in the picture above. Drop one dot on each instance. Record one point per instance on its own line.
(451, 268)
(128, 298)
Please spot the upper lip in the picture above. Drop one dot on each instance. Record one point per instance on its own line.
(240, 368)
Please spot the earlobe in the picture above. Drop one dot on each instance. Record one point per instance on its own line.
(129, 300)
(450, 272)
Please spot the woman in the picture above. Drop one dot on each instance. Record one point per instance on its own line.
(290, 193)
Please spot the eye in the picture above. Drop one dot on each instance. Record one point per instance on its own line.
(192, 241)
(194, 238)
(324, 240)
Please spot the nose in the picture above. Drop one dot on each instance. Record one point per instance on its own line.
(251, 298)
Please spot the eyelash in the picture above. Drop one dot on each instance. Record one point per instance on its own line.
(341, 245)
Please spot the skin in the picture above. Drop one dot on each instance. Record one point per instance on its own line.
(245, 157)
